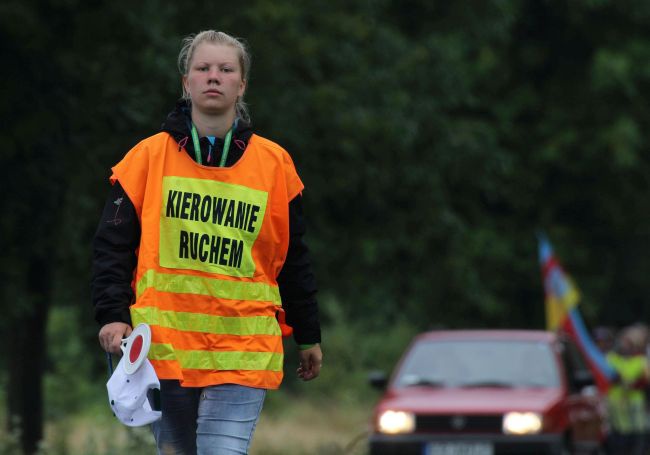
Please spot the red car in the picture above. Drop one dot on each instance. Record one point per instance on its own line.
(489, 392)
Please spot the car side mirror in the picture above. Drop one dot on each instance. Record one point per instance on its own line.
(582, 379)
(378, 379)
(589, 391)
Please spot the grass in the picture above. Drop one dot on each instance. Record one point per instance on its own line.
(288, 426)
(316, 427)
(95, 431)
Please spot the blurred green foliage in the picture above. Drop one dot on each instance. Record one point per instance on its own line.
(434, 139)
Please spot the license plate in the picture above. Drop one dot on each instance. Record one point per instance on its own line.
(459, 448)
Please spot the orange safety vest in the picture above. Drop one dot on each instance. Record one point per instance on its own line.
(213, 242)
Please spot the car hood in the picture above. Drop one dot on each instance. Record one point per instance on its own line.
(470, 401)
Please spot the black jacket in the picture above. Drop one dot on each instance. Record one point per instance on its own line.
(118, 236)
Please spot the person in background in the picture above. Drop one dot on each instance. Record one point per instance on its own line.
(626, 397)
(202, 238)
(604, 338)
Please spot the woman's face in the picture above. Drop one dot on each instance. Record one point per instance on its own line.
(214, 79)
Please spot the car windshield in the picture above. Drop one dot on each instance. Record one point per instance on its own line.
(479, 363)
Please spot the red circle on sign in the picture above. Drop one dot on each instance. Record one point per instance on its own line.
(136, 349)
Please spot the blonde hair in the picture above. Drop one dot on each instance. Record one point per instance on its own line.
(191, 42)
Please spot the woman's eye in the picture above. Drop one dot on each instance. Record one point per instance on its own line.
(227, 69)
(203, 68)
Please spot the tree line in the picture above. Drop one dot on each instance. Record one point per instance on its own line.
(434, 140)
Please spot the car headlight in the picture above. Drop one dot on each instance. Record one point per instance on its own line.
(394, 422)
(522, 423)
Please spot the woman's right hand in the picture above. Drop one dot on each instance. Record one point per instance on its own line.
(110, 336)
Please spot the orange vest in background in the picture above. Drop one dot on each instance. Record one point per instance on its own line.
(213, 242)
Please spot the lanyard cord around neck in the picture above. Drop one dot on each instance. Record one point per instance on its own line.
(197, 146)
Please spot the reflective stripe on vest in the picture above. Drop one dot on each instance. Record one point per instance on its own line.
(204, 323)
(213, 287)
(270, 361)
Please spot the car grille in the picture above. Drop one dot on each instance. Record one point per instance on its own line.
(459, 423)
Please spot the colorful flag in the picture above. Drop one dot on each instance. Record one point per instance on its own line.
(561, 294)
(562, 314)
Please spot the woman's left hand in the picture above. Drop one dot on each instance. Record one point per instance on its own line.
(311, 361)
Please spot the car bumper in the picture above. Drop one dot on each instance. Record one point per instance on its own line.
(500, 444)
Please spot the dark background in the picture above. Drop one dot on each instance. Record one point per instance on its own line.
(434, 139)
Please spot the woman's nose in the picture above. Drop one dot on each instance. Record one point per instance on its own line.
(213, 75)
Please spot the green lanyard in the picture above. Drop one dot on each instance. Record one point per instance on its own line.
(197, 146)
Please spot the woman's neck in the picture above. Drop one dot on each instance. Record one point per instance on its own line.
(212, 125)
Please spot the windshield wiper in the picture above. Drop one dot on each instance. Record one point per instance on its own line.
(423, 382)
(477, 384)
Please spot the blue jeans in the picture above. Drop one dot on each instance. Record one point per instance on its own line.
(211, 420)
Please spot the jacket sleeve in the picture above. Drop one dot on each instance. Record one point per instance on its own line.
(114, 258)
(297, 282)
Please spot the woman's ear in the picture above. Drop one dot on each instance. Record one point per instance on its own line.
(186, 90)
(242, 88)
